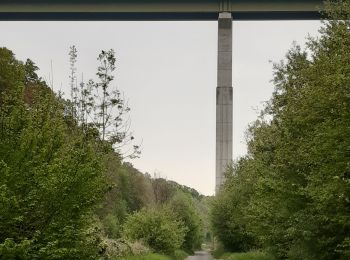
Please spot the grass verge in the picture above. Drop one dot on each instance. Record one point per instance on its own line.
(255, 255)
(146, 257)
(178, 255)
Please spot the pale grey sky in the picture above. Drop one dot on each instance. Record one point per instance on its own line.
(167, 70)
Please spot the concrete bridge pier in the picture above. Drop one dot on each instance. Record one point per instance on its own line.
(224, 107)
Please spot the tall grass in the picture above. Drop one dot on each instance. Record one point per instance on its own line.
(146, 257)
(256, 255)
(178, 255)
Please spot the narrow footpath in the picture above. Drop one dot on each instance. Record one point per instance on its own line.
(200, 255)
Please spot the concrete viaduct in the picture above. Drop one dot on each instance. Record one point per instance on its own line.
(224, 11)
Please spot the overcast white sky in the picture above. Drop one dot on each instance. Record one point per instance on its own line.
(167, 70)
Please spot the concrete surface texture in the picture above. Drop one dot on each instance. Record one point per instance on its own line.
(224, 98)
(129, 10)
(200, 255)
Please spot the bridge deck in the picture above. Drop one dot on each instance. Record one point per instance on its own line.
(158, 9)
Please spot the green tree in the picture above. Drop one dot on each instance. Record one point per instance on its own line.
(101, 105)
(51, 175)
(228, 213)
(298, 153)
(129, 191)
(73, 82)
(163, 190)
(185, 211)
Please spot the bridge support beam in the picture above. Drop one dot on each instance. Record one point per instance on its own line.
(224, 107)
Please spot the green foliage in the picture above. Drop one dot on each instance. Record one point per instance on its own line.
(65, 193)
(51, 175)
(12, 250)
(227, 214)
(185, 211)
(129, 191)
(12, 73)
(179, 255)
(219, 251)
(163, 190)
(247, 256)
(291, 192)
(147, 257)
(112, 225)
(117, 248)
(157, 227)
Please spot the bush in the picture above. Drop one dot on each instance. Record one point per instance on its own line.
(10, 250)
(112, 248)
(111, 226)
(157, 227)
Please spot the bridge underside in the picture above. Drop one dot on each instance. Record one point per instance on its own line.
(136, 10)
(170, 16)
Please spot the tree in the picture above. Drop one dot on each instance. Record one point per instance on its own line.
(228, 213)
(163, 190)
(185, 211)
(73, 81)
(51, 175)
(129, 192)
(296, 173)
(102, 106)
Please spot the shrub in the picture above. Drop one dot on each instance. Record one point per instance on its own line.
(157, 227)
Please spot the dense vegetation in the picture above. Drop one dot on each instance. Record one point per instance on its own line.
(290, 195)
(65, 191)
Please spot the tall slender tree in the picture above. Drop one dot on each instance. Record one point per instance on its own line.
(73, 79)
(102, 105)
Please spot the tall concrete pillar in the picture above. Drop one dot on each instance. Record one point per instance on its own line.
(224, 98)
